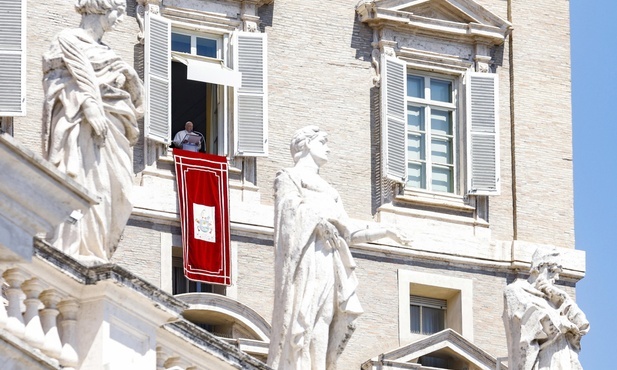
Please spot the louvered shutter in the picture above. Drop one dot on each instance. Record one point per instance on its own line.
(12, 58)
(482, 133)
(251, 104)
(393, 119)
(157, 75)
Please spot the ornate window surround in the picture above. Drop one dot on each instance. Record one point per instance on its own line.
(448, 37)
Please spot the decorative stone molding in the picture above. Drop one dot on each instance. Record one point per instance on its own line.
(460, 348)
(457, 22)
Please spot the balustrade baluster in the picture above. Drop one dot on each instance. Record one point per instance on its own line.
(34, 331)
(15, 322)
(68, 357)
(53, 345)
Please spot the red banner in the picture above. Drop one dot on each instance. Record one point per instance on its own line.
(203, 198)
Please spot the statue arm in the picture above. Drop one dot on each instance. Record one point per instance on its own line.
(371, 234)
(368, 234)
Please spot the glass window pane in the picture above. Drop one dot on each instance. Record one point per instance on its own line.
(415, 86)
(441, 122)
(416, 175)
(441, 151)
(441, 90)
(415, 118)
(432, 320)
(442, 179)
(181, 43)
(415, 146)
(206, 47)
(414, 319)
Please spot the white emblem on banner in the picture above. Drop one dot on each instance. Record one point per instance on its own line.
(204, 222)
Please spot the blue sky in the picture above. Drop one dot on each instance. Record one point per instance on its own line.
(594, 84)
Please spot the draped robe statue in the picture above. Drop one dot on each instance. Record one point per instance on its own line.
(316, 304)
(93, 100)
(543, 324)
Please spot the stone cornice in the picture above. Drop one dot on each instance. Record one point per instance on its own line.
(484, 27)
(92, 275)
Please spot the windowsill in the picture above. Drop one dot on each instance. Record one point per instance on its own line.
(438, 200)
(439, 207)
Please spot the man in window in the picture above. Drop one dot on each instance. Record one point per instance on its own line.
(188, 139)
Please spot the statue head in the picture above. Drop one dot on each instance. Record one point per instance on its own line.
(98, 6)
(546, 260)
(309, 140)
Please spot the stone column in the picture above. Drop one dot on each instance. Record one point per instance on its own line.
(52, 346)
(68, 357)
(34, 331)
(15, 322)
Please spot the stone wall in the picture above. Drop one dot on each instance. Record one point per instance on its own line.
(543, 121)
(318, 71)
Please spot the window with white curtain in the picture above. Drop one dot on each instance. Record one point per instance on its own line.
(427, 315)
(431, 133)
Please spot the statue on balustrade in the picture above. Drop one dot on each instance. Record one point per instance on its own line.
(93, 100)
(544, 326)
(316, 304)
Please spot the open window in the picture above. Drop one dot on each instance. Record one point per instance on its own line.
(12, 55)
(215, 80)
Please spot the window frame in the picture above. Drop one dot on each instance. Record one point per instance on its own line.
(458, 292)
(456, 135)
(194, 35)
(477, 120)
(425, 302)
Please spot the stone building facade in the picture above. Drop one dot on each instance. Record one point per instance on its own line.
(449, 120)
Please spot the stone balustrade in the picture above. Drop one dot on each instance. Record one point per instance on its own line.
(49, 320)
(65, 315)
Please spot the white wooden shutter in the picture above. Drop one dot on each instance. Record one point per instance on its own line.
(482, 134)
(251, 99)
(12, 57)
(393, 118)
(157, 76)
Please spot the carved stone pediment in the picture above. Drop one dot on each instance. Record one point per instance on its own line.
(460, 20)
(447, 345)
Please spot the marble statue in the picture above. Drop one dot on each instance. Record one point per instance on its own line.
(93, 100)
(543, 324)
(316, 304)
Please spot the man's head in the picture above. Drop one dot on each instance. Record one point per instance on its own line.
(188, 126)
